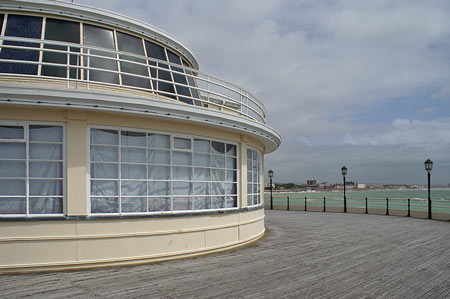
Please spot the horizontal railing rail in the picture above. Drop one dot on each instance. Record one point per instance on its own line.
(410, 207)
(81, 61)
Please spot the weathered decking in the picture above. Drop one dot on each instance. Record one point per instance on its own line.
(303, 255)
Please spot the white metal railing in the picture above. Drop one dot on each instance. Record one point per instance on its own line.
(204, 90)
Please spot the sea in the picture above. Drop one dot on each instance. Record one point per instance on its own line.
(375, 199)
(435, 193)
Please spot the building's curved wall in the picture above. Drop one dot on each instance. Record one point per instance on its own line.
(111, 74)
(79, 238)
(65, 244)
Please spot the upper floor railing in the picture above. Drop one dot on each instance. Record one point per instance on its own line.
(90, 65)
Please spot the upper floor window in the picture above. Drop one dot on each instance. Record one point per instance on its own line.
(104, 55)
(26, 27)
(64, 31)
(102, 38)
(136, 66)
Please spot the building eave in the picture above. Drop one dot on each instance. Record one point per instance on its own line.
(89, 100)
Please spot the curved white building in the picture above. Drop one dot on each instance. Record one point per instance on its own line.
(115, 148)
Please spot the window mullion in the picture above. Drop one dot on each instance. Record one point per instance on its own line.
(2, 33)
(119, 167)
(116, 48)
(147, 168)
(27, 169)
(171, 172)
(41, 46)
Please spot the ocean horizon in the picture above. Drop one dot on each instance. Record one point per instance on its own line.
(436, 194)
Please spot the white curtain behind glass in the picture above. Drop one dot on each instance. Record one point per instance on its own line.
(45, 169)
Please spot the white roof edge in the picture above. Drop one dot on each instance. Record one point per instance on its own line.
(84, 12)
(71, 99)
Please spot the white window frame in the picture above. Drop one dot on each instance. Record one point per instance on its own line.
(259, 174)
(26, 125)
(171, 149)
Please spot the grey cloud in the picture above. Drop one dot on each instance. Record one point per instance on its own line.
(316, 63)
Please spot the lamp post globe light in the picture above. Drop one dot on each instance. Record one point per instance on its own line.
(270, 172)
(344, 173)
(428, 167)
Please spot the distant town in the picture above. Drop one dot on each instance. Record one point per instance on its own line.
(312, 184)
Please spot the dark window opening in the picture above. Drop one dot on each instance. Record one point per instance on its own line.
(2, 16)
(103, 38)
(178, 78)
(131, 44)
(64, 31)
(192, 83)
(173, 58)
(21, 26)
(155, 51)
(181, 90)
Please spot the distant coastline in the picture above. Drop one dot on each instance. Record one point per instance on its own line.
(351, 190)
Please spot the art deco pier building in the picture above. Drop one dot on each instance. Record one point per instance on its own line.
(115, 148)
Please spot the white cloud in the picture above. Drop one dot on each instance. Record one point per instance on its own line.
(316, 63)
(435, 133)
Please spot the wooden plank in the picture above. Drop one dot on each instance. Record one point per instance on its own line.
(304, 255)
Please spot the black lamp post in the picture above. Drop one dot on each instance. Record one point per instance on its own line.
(344, 173)
(271, 198)
(428, 167)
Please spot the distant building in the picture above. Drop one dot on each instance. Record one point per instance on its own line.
(325, 185)
(348, 185)
(312, 183)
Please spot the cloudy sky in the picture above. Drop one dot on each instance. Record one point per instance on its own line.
(360, 83)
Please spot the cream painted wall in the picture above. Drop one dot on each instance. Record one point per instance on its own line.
(36, 245)
(60, 244)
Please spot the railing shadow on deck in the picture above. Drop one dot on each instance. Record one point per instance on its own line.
(406, 207)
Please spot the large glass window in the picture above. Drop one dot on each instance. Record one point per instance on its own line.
(253, 177)
(143, 172)
(31, 169)
(26, 27)
(158, 52)
(179, 78)
(76, 50)
(102, 38)
(2, 16)
(192, 83)
(64, 31)
(131, 44)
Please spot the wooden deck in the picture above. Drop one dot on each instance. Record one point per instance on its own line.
(303, 255)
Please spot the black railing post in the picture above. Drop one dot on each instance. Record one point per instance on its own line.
(324, 204)
(305, 204)
(367, 207)
(271, 198)
(288, 203)
(387, 206)
(429, 197)
(409, 208)
(345, 199)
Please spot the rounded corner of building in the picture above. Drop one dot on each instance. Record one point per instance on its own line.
(113, 139)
